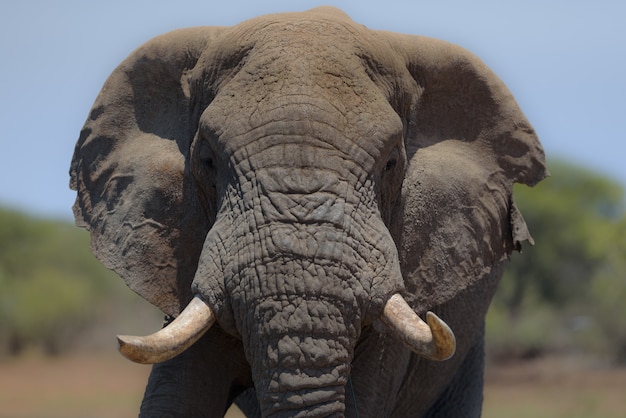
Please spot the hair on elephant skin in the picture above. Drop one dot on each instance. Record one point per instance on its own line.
(325, 209)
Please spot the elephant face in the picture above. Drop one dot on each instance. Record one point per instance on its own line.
(295, 172)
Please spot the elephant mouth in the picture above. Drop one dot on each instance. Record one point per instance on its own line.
(432, 339)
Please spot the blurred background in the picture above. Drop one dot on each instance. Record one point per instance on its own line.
(556, 332)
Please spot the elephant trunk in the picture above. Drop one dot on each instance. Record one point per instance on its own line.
(300, 352)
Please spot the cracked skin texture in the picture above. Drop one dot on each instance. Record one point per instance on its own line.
(295, 171)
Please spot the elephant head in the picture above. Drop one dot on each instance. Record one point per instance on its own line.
(296, 179)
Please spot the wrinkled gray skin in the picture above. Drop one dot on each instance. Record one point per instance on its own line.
(295, 171)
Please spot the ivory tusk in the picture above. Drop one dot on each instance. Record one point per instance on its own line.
(186, 329)
(433, 340)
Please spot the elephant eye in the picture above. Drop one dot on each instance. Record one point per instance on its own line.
(391, 164)
(206, 156)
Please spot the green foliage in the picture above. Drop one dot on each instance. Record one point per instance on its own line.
(523, 338)
(566, 293)
(608, 297)
(570, 215)
(51, 286)
(575, 274)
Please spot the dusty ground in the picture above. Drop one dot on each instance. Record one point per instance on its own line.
(555, 388)
(82, 386)
(98, 385)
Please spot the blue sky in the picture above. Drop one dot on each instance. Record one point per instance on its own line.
(564, 60)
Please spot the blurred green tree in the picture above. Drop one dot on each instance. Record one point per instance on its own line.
(51, 286)
(608, 297)
(572, 283)
(571, 279)
(572, 216)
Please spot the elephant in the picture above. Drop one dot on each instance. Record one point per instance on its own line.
(322, 211)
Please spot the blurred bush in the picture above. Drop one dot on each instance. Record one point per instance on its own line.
(568, 292)
(52, 289)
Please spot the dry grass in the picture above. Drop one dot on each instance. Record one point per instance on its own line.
(110, 386)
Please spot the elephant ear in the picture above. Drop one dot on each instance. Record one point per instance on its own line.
(467, 142)
(130, 172)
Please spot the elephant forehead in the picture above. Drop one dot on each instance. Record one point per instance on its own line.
(312, 29)
(250, 118)
(270, 42)
(294, 67)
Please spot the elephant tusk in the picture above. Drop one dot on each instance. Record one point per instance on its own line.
(433, 340)
(186, 329)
